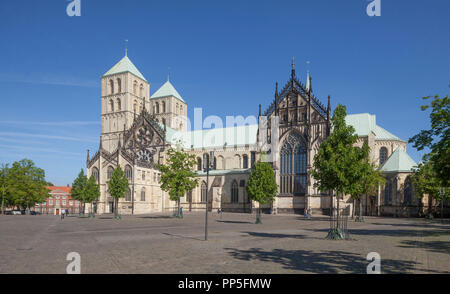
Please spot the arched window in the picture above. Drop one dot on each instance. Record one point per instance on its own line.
(245, 161)
(128, 172)
(407, 191)
(143, 194)
(163, 106)
(141, 91)
(203, 192)
(143, 175)
(388, 193)
(199, 163)
(119, 104)
(176, 109)
(237, 161)
(111, 87)
(110, 172)
(128, 195)
(135, 88)
(111, 105)
(95, 174)
(119, 85)
(293, 166)
(383, 155)
(181, 109)
(234, 192)
(157, 107)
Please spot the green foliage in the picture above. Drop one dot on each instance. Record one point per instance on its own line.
(25, 184)
(79, 187)
(118, 184)
(366, 177)
(177, 175)
(92, 190)
(334, 163)
(261, 186)
(437, 138)
(425, 181)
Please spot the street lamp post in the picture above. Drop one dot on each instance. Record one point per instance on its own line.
(207, 165)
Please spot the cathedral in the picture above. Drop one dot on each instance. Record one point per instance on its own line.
(137, 129)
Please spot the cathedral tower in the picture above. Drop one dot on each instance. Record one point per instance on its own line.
(124, 93)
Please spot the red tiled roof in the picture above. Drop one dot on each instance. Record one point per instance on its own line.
(62, 188)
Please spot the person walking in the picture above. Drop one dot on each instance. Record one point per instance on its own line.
(62, 213)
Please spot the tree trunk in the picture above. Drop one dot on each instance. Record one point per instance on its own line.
(354, 207)
(337, 212)
(179, 205)
(430, 206)
(360, 209)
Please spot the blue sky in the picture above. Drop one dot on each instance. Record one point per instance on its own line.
(225, 56)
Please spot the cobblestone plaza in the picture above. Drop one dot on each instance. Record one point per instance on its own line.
(161, 244)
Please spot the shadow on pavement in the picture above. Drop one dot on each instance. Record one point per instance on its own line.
(328, 262)
(233, 222)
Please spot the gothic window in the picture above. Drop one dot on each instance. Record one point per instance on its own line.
(237, 160)
(111, 105)
(176, 109)
(234, 192)
(141, 91)
(245, 161)
(407, 191)
(157, 107)
(128, 172)
(203, 192)
(199, 163)
(95, 174)
(119, 105)
(383, 155)
(119, 85)
(135, 88)
(388, 193)
(128, 196)
(163, 106)
(111, 87)
(143, 194)
(293, 166)
(110, 172)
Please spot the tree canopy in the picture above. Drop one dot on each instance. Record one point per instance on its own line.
(437, 139)
(261, 186)
(118, 186)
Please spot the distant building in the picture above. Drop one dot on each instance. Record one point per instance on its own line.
(60, 199)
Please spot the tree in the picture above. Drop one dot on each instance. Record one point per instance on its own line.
(26, 185)
(177, 175)
(437, 138)
(261, 186)
(334, 164)
(3, 183)
(79, 188)
(92, 193)
(118, 186)
(367, 177)
(426, 182)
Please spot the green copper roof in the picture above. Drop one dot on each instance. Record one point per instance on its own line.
(167, 90)
(399, 161)
(366, 123)
(124, 65)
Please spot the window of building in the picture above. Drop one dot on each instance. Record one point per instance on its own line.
(119, 105)
(135, 88)
(128, 172)
(234, 192)
(199, 163)
(388, 193)
(64, 202)
(163, 106)
(50, 202)
(95, 173)
(143, 175)
(128, 195)
(293, 166)
(70, 202)
(111, 87)
(245, 161)
(141, 91)
(109, 172)
(111, 105)
(203, 192)
(252, 158)
(157, 107)
(143, 194)
(383, 155)
(119, 85)
(407, 191)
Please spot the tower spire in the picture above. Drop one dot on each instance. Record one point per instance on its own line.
(293, 67)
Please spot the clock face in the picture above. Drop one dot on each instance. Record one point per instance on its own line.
(145, 156)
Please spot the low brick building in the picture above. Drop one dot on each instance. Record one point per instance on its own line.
(60, 199)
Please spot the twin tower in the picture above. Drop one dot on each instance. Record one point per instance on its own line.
(125, 93)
